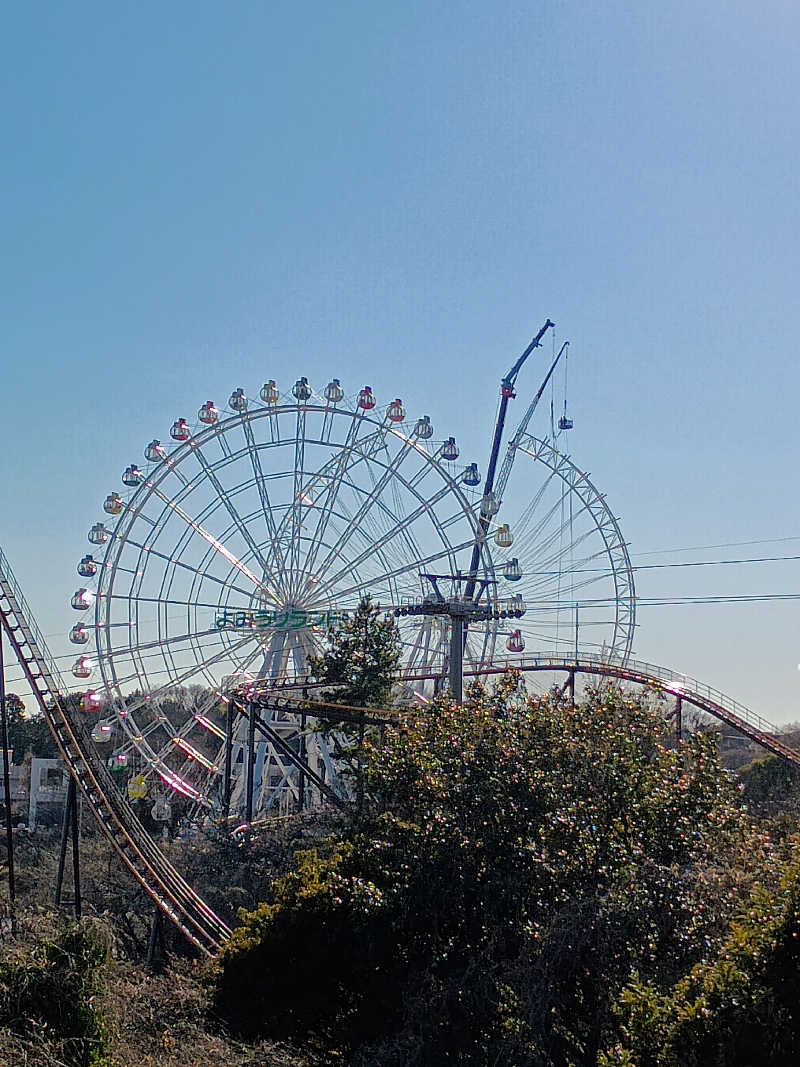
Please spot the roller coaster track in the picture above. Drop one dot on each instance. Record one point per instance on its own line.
(172, 894)
(689, 690)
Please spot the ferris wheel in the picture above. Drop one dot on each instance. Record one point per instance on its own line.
(234, 547)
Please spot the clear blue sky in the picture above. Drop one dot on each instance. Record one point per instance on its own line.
(197, 196)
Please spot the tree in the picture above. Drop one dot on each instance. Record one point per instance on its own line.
(27, 733)
(516, 860)
(361, 659)
(771, 787)
(738, 1009)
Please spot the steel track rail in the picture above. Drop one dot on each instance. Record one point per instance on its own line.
(160, 880)
(690, 690)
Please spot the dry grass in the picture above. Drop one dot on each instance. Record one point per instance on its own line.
(160, 1021)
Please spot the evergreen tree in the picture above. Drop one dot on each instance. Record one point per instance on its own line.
(361, 659)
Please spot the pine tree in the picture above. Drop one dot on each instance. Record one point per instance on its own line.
(361, 659)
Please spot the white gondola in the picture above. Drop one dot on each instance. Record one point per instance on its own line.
(113, 504)
(81, 600)
(395, 411)
(333, 391)
(424, 428)
(82, 667)
(301, 390)
(512, 571)
(366, 399)
(503, 537)
(489, 505)
(155, 451)
(208, 414)
(179, 431)
(471, 475)
(515, 642)
(101, 732)
(161, 811)
(132, 476)
(79, 635)
(269, 392)
(118, 761)
(450, 450)
(516, 606)
(99, 535)
(87, 568)
(237, 401)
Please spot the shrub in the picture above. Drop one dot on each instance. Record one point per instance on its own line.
(513, 862)
(46, 993)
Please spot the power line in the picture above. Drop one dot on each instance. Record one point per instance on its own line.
(726, 544)
(714, 562)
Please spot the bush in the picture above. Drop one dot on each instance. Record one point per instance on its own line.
(738, 1010)
(46, 994)
(514, 861)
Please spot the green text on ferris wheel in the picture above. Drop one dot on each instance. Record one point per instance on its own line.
(283, 619)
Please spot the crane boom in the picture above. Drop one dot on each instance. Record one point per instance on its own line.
(505, 470)
(506, 393)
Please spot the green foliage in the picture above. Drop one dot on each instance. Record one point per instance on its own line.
(771, 786)
(325, 927)
(27, 733)
(737, 1011)
(47, 993)
(515, 861)
(361, 660)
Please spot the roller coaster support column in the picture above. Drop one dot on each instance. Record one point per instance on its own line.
(69, 827)
(156, 945)
(251, 756)
(301, 785)
(678, 719)
(226, 785)
(457, 658)
(6, 778)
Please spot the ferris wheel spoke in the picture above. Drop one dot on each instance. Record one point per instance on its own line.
(332, 477)
(399, 549)
(547, 562)
(127, 650)
(228, 504)
(173, 562)
(266, 506)
(215, 544)
(424, 508)
(577, 567)
(415, 565)
(390, 471)
(191, 672)
(164, 601)
(297, 496)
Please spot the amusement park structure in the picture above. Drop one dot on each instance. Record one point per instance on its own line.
(220, 566)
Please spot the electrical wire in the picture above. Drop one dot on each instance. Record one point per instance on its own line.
(713, 562)
(726, 544)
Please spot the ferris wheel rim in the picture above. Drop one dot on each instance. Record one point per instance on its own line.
(169, 482)
(159, 473)
(542, 450)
